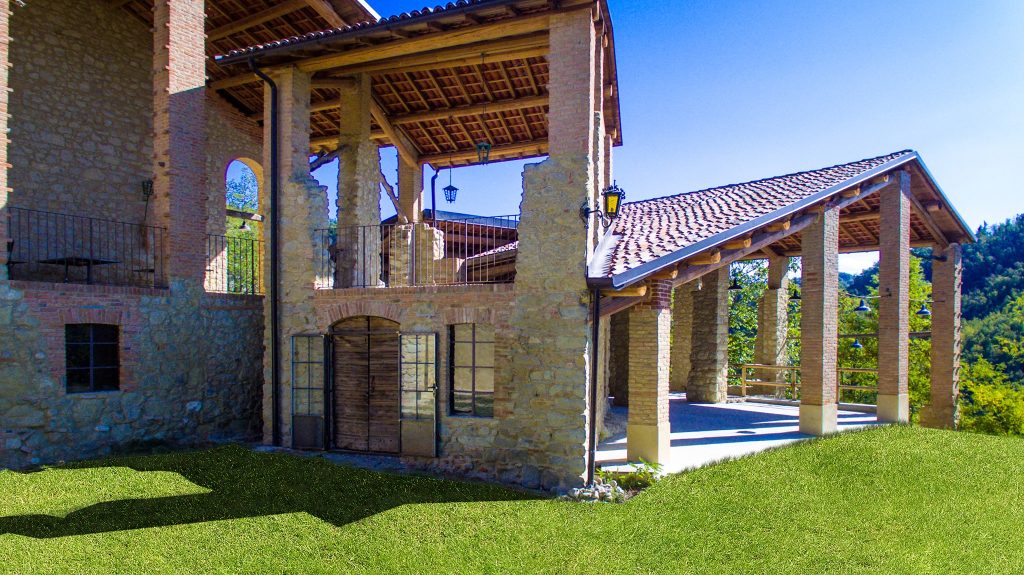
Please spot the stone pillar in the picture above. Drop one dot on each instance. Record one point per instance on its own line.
(303, 210)
(894, 302)
(618, 361)
(819, 324)
(546, 438)
(773, 324)
(358, 259)
(179, 136)
(709, 351)
(682, 334)
(410, 190)
(5, 41)
(941, 411)
(650, 323)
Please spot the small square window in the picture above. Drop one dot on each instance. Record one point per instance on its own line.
(91, 357)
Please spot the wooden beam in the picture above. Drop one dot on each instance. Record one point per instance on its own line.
(332, 141)
(244, 215)
(638, 291)
(459, 37)
(779, 226)
(235, 81)
(666, 275)
(712, 257)
(929, 222)
(406, 149)
(325, 158)
(468, 157)
(276, 11)
(390, 191)
(476, 109)
(737, 243)
(865, 248)
(324, 9)
(512, 49)
(861, 217)
(332, 83)
(531, 46)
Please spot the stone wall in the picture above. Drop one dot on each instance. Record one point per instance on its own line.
(191, 368)
(81, 109)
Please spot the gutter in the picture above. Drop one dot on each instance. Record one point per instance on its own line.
(592, 418)
(638, 273)
(275, 253)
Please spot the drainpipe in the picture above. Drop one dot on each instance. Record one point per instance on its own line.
(592, 431)
(433, 196)
(275, 336)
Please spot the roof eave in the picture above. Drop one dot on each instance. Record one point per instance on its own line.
(638, 273)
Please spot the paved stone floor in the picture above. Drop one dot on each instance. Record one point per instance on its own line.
(703, 433)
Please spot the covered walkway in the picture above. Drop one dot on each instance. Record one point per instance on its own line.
(702, 434)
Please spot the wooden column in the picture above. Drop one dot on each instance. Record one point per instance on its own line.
(941, 412)
(894, 302)
(819, 325)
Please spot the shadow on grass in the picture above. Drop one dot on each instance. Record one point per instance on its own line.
(247, 484)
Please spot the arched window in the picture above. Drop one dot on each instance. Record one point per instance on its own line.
(242, 183)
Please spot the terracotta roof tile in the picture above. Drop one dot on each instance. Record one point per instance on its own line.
(655, 228)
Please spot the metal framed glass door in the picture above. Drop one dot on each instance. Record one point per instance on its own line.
(418, 387)
(309, 391)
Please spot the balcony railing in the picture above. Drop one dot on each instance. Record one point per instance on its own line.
(234, 265)
(447, 252)
(53, 247)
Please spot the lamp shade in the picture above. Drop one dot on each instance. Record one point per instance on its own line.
(863, 307)
(613, 197)
(857, 344)
(924, 311)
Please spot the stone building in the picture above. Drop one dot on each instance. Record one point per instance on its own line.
(481, 345)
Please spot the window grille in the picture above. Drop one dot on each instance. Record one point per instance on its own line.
(91, 357)
(472, 370)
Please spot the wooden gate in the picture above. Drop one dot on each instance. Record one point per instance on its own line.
(366, 399)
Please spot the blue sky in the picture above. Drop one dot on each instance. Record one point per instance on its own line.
(717, 92)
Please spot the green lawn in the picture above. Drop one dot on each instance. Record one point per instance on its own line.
(889, 500)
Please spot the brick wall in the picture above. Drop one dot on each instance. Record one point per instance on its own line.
(229, 136)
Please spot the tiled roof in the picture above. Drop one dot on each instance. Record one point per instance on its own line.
(383, 22)
(651, 229)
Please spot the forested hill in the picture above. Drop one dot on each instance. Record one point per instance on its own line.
(994, 268)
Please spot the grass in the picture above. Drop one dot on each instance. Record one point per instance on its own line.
(887, 500)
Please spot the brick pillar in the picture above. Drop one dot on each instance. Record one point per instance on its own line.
(941, 412)
(410, 190)
(650, 323)
(709, 348)
(358, 261)
(682, 334)
(179, 136)
(894, 303)
(547, 435)
(773, 323)
(303, 210)
(5, 41)
(819, 324)
(618, 361)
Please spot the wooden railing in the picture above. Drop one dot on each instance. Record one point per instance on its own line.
(751, 375)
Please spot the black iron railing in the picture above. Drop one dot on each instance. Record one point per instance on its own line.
(234, 265)
(54, 247)
(446, 252)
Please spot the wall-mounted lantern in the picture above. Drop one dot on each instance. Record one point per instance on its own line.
(611, 205)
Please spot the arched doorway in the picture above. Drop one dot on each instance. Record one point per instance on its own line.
(365, 372)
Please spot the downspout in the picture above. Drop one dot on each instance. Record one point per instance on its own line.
(275, 336)
(592, 431)
(433, 196)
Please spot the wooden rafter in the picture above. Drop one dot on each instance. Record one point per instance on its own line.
(276, 11)
(399, 140)
(324, 9)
